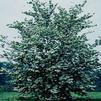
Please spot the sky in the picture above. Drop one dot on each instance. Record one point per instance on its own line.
(11, 10)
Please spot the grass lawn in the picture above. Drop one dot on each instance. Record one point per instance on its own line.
(12, 96)
(91, 95)
(95, 95)
(8, 96)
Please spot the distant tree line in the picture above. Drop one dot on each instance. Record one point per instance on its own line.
(5, 78)
(98, 42)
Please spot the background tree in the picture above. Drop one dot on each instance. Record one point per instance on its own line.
(5, 78)
(53, 59)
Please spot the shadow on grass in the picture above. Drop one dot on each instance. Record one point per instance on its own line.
(72, 100)
(87, 100)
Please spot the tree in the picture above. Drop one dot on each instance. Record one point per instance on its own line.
(2, 76)
(5, 78)
(96, 42)
(53, 59)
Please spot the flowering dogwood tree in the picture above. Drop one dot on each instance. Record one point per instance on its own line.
(53, 59)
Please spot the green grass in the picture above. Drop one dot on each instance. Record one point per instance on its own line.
(12, 96)
(95, 95)
(8, 96)
(91, 95)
